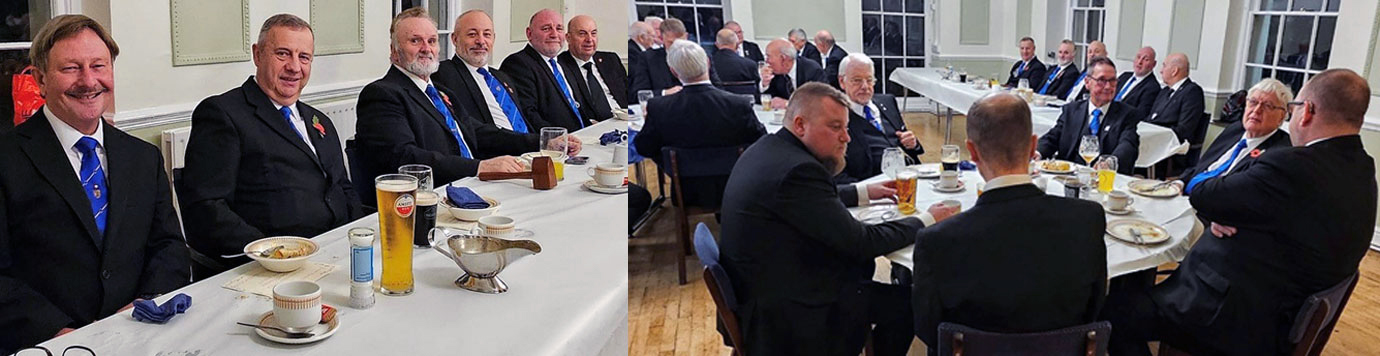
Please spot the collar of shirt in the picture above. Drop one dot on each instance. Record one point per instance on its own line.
(1251, 144)
(1006, 181)
(1310, 143)
(858, 109)
(741, 51)
(419, 81)
(641, 47)
(581, 62)
(474, 71)
(791, 73)
(702, 82)
(295, 115)
(1176, 86)
(67, 137)
(1104, 108)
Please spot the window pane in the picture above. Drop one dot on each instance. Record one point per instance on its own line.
(711, 20)
(1298, 31)
(1079, 16)
(1254, 75)
(891, 65)
(711, 2)
(1080, 54)
(1308, 5)
(872, 5)
(651, 10)
(1094, 25)
(1099, 3)
(1274, 5)
(872, 35)
(1082, 3)
(892, 36)
(1263, 40)
(880, 73)
(687, 16)
(915, 6)
(1291, 78)
(22, 19)
(893, 6)
(915, 36)
(1322, 44)
(1332, 5)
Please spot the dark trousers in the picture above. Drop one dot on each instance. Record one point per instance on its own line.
(1136, 319)
(890, 311)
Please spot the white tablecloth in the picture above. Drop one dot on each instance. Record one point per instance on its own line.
(570, 299)
(1122, 257)
(1156, 142)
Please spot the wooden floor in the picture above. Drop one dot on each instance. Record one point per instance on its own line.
(665, 318)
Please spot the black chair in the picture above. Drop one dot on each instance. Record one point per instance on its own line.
(1176, 164)
(358, 178)
(749, 87)
(714, 162)
(1314, 323)
(720, 288)
(1087, 339)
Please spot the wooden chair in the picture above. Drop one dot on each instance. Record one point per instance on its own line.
(695, 163)
(1314, 323)
(1087, 339)
(720, 288)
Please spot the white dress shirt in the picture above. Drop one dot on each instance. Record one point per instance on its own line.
(858, 109)
(546, 62)
(1251, 144)
(613, 104)
(495, 110)
(1135, 82)
(789, 74)
(1101, 120)
(68, 136)
(298, 124)
(1006, 181)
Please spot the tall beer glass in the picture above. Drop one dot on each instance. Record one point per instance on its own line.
(905, 190)
(397, 194)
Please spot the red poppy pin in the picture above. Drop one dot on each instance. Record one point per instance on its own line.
(1256, 153)
(446, 99)
(316, 122)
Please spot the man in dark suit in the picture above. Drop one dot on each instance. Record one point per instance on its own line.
(404, 119)
(1179, 106)
(829, 56)
(653, 73)
(600, 75)
(803, 47)
(543, 85)
(701, 116)
(261, 163)
(874, 122)
(639, 39)
(1028, 68)
(487, 93)
(785, 72)
(1079, 90)
(1113, 123)
(1061, 77)
(1297, 222)
(799, 262)
(74, 249)
(1139, 88)
(1009, 223)
(732, 67)
(746, 49)
(1241, 143)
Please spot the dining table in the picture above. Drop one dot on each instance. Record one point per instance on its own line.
(571, 298)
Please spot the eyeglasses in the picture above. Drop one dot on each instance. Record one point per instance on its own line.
(1258, 103)
(1104, 80)
(862, 81)
(1290, 106)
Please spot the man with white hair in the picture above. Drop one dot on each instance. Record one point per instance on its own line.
(731, 66)
(1062, 77)
(405, 119)
(543, 84)
(655, 23)
(1139, 87)
(874, 121)
(700, 116)
(1179, 107)
(653, 73)
(640, 38)
(784, 72)
(1258, 131)
(802, 45)
(747, 49)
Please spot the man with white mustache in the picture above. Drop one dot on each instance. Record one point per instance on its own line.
(405, 119)
(258, 154)
(86, 217)
(543, 84)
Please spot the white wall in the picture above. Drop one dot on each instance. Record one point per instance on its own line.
(147, 84)
(741, 11)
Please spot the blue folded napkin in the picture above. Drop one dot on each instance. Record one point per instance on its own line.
(611, 137)
(149, 312)
(464, 198)
(967, 166)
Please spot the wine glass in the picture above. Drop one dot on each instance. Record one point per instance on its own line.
(893, 160)
(1089, 148)
(554, 141)
(642, 97)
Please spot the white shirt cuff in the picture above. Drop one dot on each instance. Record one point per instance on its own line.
(863, 200)
(926, 218)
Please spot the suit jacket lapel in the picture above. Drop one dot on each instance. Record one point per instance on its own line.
(309, 116)
(419, 97)
(474, 87)
(48, 157)
(120, 177)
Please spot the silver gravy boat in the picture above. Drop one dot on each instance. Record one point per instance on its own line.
(481, 257)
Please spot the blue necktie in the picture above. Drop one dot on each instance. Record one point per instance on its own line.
(867, 112)
(1022, 68)
(287, 115)
(93, 181)
(1125, 89)
(509, 108)
(1096, 121)
(1217, 171)
(1050, 80)
(565, 90)
(450, 120)
(1076, 85)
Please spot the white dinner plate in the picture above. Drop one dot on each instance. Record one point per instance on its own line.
(1150, 233)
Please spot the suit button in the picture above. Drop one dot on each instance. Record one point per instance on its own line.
(105, 274)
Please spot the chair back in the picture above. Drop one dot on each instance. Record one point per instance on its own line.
(1318, 317)
(1195, 148)
(749, 87)
(720, 288)
(1086, 340)
(699, 163)
(358, 178)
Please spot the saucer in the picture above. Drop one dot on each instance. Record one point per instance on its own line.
(320, 331)
(957, 189)
(595, 187)
(1128, 211)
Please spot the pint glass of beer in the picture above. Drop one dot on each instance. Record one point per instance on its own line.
(397, 194)
(426, 217)
(905, 190)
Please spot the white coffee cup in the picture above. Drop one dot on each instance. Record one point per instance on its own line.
(948, 180)
(496, 226)
(778, 117)
(620, 153)
(609, 174)
(952, 204)
(297, 305)
(1119, 200)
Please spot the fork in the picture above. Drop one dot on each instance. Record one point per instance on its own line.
(289, 334)
(1140, 242)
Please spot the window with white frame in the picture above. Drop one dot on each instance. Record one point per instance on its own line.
(1087, 20)
(1291, 40)
(894, 37)
(440, 11)
(702, 18)
(19, 21)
